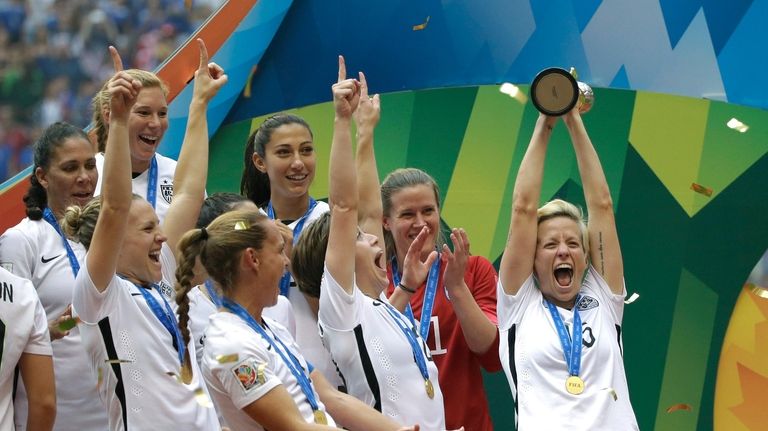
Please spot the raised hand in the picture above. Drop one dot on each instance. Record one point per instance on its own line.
(369, 108)
(209, 77)
(346, 93)
(287, 234)
(415, 270)
(456, 262)
(123, 89)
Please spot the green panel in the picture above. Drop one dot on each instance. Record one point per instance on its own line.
(484, 159)
(320, 118)
(439, 121)
(668, 131)
(394, 131)
(687, 354)
(225, 164)
(500, 400)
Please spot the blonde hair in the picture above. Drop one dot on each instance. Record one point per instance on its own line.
(79, 223)
(219, 247)
(101, 101)
(561, 208)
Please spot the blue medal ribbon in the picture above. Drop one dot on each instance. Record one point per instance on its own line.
(285, 282)
(410, 334)
(166, 317)
(429, 296)
(51, 219)
(152, 182)
(215, 298)
(571, 350)
(288, 358)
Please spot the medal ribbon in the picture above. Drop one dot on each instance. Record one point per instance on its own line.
(285, 282)
(152, 182)
(571, 350)
(410, 334)
(288, 358)
(73, 263)
(215, 298)
(166, 317)
(429, 296)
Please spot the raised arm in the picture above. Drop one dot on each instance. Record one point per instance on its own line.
(116, 193)
(343, 197)
(604, 249)
(370, 211)
(192, 167)
(277, 411)
(517, 260)
(37, 374)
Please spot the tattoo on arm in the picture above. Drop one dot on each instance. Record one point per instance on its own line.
(602, 257)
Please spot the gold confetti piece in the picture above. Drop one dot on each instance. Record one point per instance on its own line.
(247, 90)
(737, 125)
(99, 378)
(241, 225)
(118, 361)
(69, 324)
(514, 92)
(421, 26)
(260, 376)
(612, 392)
(632, 298)
(698, 188)
(202, 398)
(224, 359)
(680, 406)
(758, 291)
(188, 4)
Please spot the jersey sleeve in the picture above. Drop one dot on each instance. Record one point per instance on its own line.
(39, 342)
(510, 308)
(597, 284)
(482, 283)
(88, 303)
(17, 253)
(338, 309)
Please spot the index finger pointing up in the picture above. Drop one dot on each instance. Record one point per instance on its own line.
(116, 61)
(203, 54)
(342, 69)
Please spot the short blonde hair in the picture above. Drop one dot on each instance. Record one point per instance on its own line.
(561, 208)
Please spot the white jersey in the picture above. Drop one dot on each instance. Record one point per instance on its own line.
(166, 167)
(376, 358)
(251, 369)
(533, 360)
(25, 330)
(136, 359)
(201, 308)
(34, 250)
(307, 335)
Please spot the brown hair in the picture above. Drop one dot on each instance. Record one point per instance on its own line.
(308, 260)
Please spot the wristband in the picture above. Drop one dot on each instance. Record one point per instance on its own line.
(407, 289)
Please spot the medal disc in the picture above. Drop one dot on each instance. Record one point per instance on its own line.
(574, 385)
(430, 389)
(320, 418)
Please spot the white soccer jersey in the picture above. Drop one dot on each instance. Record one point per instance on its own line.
(533, 360)
(240, 367)
(166, 167)
(35, 251)
(135, 357)
(201, 308)
(376, 358)
(24, 329)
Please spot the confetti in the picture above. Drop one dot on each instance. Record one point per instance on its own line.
(421, 26)
(676, 407)
(632, 298)
(612, 392)
(118, 361)
(188, 4)
(758, 291)
(737, 125)
(224, 359)
(69, 324)
(202, 398)
(247, 90)
(241, 225)
(514, 92)
(698, 188)
(99, 378)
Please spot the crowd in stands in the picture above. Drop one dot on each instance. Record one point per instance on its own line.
(53, 58)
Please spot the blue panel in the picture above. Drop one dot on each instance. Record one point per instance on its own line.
(620, 80)
(724, 17)
(584, 10)
(677, 16)
(743, 61)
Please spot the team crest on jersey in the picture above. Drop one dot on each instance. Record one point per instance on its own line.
(166, 191)
(587, 303)
(166, 289)
(250, 375)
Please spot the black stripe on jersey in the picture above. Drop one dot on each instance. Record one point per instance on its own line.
(370, 374)
(15, 381)
(618, 339)
(2, 339)
(109, 344)
(512, 369)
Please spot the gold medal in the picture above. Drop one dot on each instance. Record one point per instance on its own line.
(430, 389)
(574, 385)
(320, 418)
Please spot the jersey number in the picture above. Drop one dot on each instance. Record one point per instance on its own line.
(434, 323)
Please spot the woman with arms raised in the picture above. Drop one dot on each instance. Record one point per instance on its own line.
(130, 330)
(561, 298)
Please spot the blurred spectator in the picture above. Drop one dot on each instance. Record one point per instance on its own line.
(53, 58)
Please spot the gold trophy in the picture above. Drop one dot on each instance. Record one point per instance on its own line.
(555, 91)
